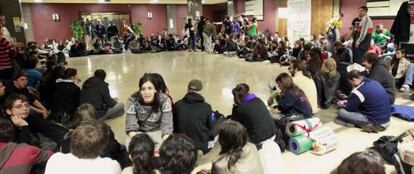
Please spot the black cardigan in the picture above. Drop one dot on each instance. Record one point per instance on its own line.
(401, 26)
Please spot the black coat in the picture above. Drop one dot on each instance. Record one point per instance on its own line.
(401, 26)
(65, 97)
(380, 73)
(96, 92)
(192, 118)
(256, 118)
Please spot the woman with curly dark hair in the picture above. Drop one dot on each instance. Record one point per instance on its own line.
(366, 162)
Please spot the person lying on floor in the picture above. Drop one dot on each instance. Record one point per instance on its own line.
(368, 105)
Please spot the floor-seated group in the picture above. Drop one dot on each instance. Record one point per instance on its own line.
(45, 108)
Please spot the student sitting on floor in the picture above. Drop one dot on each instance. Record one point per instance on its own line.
(378, 71)
(237, 155)
(17, 109)
(141, 150)
(19, 86)
(398, 67)
(247, 49)
(149, 111)
(259, 52)
(95, 91)
(366, 162)
(97, 47)
(178, 155)
(113, 149)
(170, 43)
(34, 75)
(88, 141)
(192, 116)
(66, 97)
(135, 46)
(368, 104)
(117, 46)
(291, 100)
(304, 81)
(19, 158)
(327, 82)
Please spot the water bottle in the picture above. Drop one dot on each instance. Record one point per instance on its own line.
(212, 117)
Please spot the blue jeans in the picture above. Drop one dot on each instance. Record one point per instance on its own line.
(356, 118)
(409, 75)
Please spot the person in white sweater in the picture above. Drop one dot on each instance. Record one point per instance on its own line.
(304, 82)
(88, 141)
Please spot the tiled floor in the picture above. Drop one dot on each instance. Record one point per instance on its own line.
(220, 74)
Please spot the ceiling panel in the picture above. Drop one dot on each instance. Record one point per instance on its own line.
(122, 1)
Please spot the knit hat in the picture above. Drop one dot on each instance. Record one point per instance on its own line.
(195, 85)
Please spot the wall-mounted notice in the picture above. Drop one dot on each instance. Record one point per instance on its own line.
(383, 7)
(254, 8)
(299, 19)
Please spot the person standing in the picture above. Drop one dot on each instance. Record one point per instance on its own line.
(100, 31)
(189, 28)
(6, 49)
(200, 28)
(209, 32)
(88, 29)
(364, 30)
(112, 31)
(6, 32)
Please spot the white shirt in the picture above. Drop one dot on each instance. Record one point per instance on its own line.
(309, 88)
(60, 163)
(6, 34)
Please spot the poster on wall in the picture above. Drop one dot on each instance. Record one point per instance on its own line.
(383, 8)
(299, 19)
(254, 8)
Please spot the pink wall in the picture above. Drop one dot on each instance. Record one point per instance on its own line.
(44, 27)
(269, 10)
(181, 12)
(350, 10)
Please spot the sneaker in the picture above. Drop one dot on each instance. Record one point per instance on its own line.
(404, 88)
(343, 123)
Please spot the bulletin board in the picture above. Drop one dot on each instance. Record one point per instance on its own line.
(254, 8)
(383, 8)
(299, 19)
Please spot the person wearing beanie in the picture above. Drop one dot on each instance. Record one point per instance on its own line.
(192, 116)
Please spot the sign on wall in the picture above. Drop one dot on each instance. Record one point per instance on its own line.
(254, 8)
(384, 7)
(299, 19)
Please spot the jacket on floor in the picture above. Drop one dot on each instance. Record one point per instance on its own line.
(192, 118)
(96, 92)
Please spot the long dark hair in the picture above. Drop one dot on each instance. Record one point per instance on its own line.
(232, 138)
(239, 92)
(287, 81)
(85, 112)
(141, 150)
(162, 87)
(147, 77)
(394, 58)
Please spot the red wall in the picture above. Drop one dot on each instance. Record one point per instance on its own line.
(269, 10)
(350, 10)
(44, 27)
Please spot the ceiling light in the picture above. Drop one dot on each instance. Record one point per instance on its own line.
(154, 1)
(37, 1)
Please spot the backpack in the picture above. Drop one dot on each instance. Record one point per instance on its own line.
(387, 147)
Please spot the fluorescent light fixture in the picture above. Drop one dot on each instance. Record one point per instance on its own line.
(203, 1)
(37, 1)
(154, 1)
(101, 1)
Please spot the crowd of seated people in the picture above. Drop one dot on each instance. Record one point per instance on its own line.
(166, 138)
